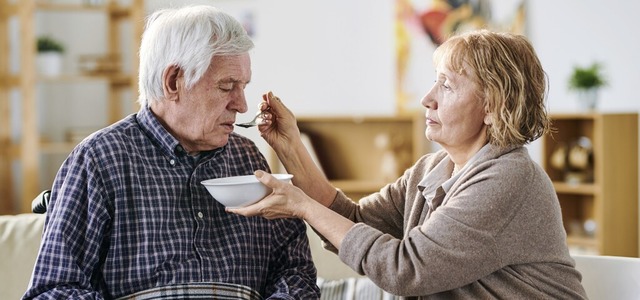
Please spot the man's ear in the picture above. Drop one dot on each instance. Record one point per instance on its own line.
(170, 78)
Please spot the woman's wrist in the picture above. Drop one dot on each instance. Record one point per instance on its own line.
(290, 153)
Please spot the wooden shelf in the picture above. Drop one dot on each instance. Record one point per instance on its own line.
(68, 7)
(351, 153)
(112, 8)
(359, 186)
(583, 242)
(57, 148)
(28, 148)
(608, 197)
(583, 245)
(78, 78)
(578, 189)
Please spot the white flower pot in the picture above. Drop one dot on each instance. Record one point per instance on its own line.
(49, 63)
(588, 98)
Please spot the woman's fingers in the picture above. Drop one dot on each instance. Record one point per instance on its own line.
(267, 179)
(279, 204)
(247, 211)
(260, 208)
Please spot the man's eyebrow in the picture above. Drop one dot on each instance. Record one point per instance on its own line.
(232, 80)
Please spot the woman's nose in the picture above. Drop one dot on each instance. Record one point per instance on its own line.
(428, 100)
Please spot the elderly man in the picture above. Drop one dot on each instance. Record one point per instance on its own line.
(128, 217)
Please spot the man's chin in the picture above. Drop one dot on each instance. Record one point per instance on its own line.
(212, 144)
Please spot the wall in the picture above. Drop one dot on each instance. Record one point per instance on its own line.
(336, 57)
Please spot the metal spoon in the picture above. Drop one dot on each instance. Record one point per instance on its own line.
(251, 123)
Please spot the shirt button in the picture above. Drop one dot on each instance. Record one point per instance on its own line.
(172, 162)
(200, 215)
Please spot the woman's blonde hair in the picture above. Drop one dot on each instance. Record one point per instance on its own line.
(511, 80)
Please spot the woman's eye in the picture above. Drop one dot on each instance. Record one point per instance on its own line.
(442, 82)
(226, 88)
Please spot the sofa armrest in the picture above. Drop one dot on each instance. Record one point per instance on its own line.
(20, 237)
(329, 265)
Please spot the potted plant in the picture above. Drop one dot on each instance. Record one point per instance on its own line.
(49, 59)
(587, 81)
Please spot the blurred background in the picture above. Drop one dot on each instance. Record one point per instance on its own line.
(327, 59)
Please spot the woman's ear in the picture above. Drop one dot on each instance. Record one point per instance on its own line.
(170, 78)
(488, 119)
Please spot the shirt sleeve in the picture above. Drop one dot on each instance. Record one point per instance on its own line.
(294, 274)
(75, 225)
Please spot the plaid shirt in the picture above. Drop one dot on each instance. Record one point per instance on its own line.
(128, 214)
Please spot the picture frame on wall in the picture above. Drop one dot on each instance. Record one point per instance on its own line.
(421, 26)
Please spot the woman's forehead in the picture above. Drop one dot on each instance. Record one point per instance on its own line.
(452, 69)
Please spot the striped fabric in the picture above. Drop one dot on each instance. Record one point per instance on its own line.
(217, 290)
(352, 289)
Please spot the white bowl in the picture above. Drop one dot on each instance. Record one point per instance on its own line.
(239, 191)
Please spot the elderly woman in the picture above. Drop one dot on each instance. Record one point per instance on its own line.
(478, 219)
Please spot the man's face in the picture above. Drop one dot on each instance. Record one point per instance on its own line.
(202, 117)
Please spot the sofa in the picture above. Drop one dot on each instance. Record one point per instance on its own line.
(20, 239)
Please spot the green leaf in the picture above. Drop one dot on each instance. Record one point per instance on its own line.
(584, 78)
(47, 43)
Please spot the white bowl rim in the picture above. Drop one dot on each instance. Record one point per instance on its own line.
(242, 179)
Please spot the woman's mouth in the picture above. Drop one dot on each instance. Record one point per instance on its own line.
(431, 121)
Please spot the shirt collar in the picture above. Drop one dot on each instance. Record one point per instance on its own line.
(440, 176)
(161, 137)
(156, 132)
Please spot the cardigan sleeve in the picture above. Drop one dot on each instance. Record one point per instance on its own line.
(384, 210)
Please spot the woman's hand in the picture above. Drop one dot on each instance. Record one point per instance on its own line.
(278, 127)
(286, 200)
(289, 201)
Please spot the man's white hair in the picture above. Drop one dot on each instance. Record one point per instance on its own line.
(187, 37)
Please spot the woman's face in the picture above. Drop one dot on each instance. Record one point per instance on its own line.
(455, 112)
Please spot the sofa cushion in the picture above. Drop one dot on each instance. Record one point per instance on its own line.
(329, 265)
(353, 288)
(19, 243)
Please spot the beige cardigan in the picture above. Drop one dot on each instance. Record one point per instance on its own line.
(498, 233)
